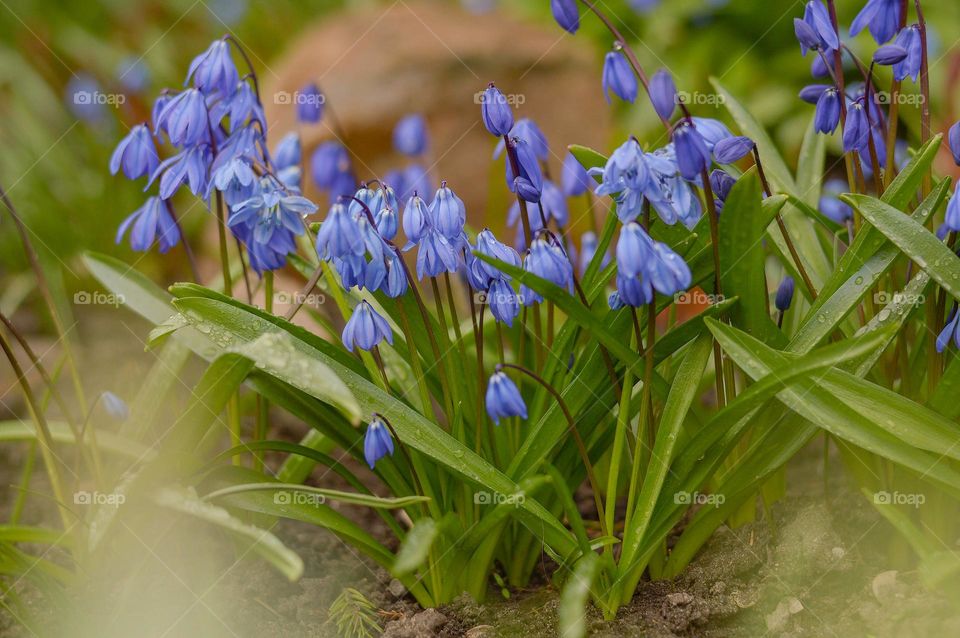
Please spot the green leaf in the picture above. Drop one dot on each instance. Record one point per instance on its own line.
(262, 541)
(576, 595)
(284, 492)
(813, 152)
(587, 157)
(416, 546)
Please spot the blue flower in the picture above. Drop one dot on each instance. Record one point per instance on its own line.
(488, 245)
(953, 138)
(807, 37)
(448, 212)
(952, 217)
(288, 152)
(693, 156)
(784, 294)
(415, 220)
(720, 183)
(618, 78)
(831, 206)
(663, 94)
(503, 399)
(528, 131)
(267, 223)
(668, 272)
(309, 104)
(184, 118)
(711, 130)
(214, 70)
(632, 291)
(952, 329)
(136, 154)
(826, 118)
(889, 55)
(377, 442)
(365, 329)
(235, 179)
(528, 183)
(909, 40)
(435, 254)
(339, 234)
(819, 68)
(410, 135)
(573, 177)
(547, 260)
(732, 149)
(115, 406)
(881, 17)
(503, 300)
(329, 161)
(812, 92)
(856, 130)
(186, 167)
(818, 18)
(496, 112)
(566, 14)
(387, 223)
(151, 221)
(243, 106)
(634, 250)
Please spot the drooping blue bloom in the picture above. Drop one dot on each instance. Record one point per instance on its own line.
(268, 222)
(831, 205)
(672, 197)
(488, 245)
(496, 112)
(363, 201)
(881, 17)
(503, 300)
(668, 272)
(366, 329)
(528, 183)
(554, 203)
(633, 291)
(395, 282)
(415, 220)
(528, 131)
(819, 68)
(503, 399)
(151, 221)
(242, 106)
(377, 442)
(909, 40)
(448, 212)
(310, 102)
(784, 294)
(807, 37)
(720, 183)
(436, 254)
(856, 130)
(387, 223)
(287, 153)
(339, 235)
(889, 55)
(184, 119)
(663, 94)
(818, 18)
(711, 130)
(826, 118)
(547, 260)
(952, 329)
(953, 137)
(634, 250)
(566, 14)
(235, 179)
(618, 78)
(136, 154)
(213, 70)
(732, 149)
(626, 176)
(952, 217)
(410, 135)
(812, 92)
(693, 156)
(188, 167)
(329, 160)
(573, 177)
(115, 406)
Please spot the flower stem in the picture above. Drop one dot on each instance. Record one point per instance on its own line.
(224, 257)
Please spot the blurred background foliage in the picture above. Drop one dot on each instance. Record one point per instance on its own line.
(55, 152)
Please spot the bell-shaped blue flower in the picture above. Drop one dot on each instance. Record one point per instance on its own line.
(952, 218)
(634, 250)
(819, 65)
(435, 254)
(812, 92)
(909, 40)
(528, 182)
(288, 151)
(415, 220)
(310, 101)
(115, 406)
(856, 130)
(632, 291)
(488, 245)
(574, 179)
(588, 250)
(951, 330)
(784, 295)
(184, 119)
(807, 37)
(619, 78)
(668, 272)
(339, 235)
(410, 135)
(826, 118)
(889, 55)
(732, 149)
(503, 300)
(881, 17)
(663, 94)
(720, 183)
(503, 399)
(566, 14)
(377, 441)
(832, 206)
(235, 179)
(214, 71)
(496, 112)
(151, 221)
(188, 167)
(329, 160)
(136, 154)
(693, 156)
(815, 14)
(387, 223)
(547, 260)
(448, 212)
(366, 329)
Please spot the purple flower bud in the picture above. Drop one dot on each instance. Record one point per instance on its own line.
(909, 40)
(806, 36)
(720, 183)
(415, 217)
(732, 149)
(856, 131)
(953, 137)
(528, 184)
(410, 135)
(136, 154)
(503, 399)
(693, 156)
(365, 329)
(827, 116)
(566, 14)
(663, 94)
(634, 250)
(618, 77)
(448, 212)
(812, 92)
(149, 222)
(816, 15)
(889, 54)
(784, 294)
(377, 442)
(496, 112)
